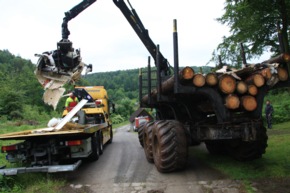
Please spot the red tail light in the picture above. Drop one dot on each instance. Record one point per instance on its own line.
(73, 143)
(5, 149)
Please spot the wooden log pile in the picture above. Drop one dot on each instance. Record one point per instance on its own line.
(238, 87)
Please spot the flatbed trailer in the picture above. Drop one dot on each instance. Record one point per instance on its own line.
(46, 150)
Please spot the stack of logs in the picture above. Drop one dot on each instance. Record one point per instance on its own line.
(238, 87)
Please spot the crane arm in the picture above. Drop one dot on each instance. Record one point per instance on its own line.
(134, 20)
(72, 13)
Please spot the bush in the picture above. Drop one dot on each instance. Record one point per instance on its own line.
(116, 119)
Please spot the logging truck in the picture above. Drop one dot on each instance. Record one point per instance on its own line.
(65, 143)
(222, 109)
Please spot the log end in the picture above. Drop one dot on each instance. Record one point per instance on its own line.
(186, 73)
(232, 102)
(211, 79)
(227, 84)
(242, 87)
(282, 74)
(249, 103)
(258, 80)
(252, 90)
(198, 80)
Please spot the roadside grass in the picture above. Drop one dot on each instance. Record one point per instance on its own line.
(275, 163)
(120, 124)
(31, 182)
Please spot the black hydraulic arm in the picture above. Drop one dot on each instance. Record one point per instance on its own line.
(73, 13)
(142, 33)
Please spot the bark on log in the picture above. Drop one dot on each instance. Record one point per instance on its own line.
(227, 84)
(256, 79)
(198, 80)
(248, 102)
(242, 87)
(232, 101)
(166, 87)
(282, 74)
(252, 90)
(211, 79)
(186, 73)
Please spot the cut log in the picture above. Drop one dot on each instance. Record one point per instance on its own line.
(248, 102)
(252, 90)
(279, 59)
(198, 80)
(266, 73)
(167, 85)
(227, 84)
(282, 74)
(186, 73)
(232, 101)
(211, 79)
(242, 87)
(256, 79)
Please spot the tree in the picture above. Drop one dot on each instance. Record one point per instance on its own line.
(255, 24)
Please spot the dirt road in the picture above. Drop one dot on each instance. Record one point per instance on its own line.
(124, 168)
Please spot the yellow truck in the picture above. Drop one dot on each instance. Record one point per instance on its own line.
(80, 134)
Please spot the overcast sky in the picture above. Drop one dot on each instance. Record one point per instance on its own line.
(105, 37)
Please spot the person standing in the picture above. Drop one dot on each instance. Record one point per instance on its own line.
(71, 102)
(269, 110)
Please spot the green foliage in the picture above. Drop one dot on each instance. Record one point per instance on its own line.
(117, 119)
(20, 93)
(253, 23)
(281, 104)
(7, 184)
(32, 183)
(122, 89)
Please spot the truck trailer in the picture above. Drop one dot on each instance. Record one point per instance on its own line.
(80, 135)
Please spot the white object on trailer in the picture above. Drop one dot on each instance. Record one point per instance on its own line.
(70, 115)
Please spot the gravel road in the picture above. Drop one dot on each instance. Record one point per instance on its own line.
(123, 168)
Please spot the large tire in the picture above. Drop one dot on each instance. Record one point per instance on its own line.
(147, 139)
(95, 148)
(216, 147)
(169, 146)
(141, 133)
(248, 151)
